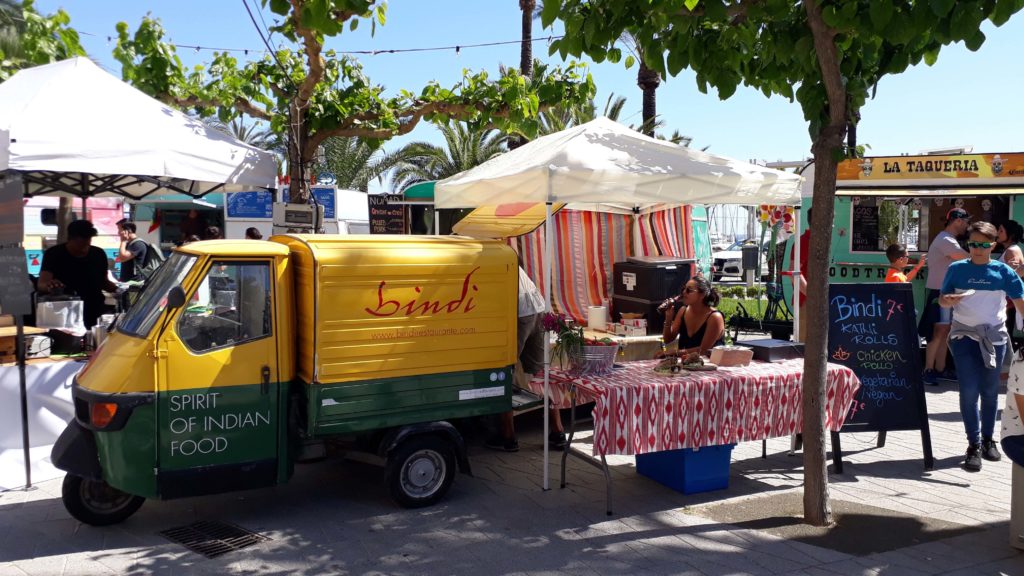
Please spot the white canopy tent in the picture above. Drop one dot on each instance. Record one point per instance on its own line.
(604, 166)
(70, 128)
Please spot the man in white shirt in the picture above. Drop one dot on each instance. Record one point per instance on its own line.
(935, 322)
(530, 352)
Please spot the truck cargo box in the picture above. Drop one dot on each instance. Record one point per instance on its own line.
(400, 329)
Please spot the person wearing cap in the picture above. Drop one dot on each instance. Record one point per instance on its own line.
(935, 322)
(78, 267)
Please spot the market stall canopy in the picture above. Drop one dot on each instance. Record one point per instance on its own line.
(73, 129)
(612, 168)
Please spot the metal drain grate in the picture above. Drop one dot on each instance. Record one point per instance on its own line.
(213, 538)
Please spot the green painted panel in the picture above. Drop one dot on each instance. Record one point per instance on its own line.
(701, 239)
(128, 456)
(223, 425)
(373, 404)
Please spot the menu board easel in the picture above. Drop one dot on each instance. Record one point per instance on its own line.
(873, 331)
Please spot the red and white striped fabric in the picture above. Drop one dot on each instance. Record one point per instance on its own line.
(587, 244)
(638, 411)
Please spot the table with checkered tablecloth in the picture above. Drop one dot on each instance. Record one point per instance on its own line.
(637, 411)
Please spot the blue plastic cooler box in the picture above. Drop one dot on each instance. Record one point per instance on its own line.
(688, 471)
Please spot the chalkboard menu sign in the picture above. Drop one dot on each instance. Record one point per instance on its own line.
(386, 217)
(865, 229)
(873, 331)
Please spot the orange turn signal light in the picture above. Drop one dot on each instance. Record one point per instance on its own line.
(102, 413)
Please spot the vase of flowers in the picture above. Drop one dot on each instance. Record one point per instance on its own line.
(568, 336)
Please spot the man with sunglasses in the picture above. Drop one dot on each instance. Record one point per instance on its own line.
(943, 251)
(976, 291)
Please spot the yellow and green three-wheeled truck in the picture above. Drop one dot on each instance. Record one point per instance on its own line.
(241, 356)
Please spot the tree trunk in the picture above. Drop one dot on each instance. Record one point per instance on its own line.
(65, 213)
(298, 175)
(817, 509)
(525, 57)
(648, 80)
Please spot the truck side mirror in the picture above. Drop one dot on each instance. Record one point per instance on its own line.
(176, 298)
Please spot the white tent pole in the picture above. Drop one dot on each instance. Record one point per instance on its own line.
(437, 221)
(796, 279)
(549, 250)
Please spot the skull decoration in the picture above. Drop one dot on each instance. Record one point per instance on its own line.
(986, 205)
(997, 165)
(866, 167)
(959, 203)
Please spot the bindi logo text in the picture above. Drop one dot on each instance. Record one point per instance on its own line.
(462, 304)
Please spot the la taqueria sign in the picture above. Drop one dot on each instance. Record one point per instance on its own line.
(959, 166)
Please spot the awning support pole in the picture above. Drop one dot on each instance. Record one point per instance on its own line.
(549, 250)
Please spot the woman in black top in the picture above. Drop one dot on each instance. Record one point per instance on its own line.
(697, 324)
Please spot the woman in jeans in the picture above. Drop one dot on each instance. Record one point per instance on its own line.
(976, 289)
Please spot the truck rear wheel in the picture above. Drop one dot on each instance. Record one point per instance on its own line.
(420, 471)
(96, 503)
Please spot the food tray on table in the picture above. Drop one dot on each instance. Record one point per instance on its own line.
(705, 367)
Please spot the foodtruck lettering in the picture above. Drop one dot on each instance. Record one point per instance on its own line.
(916, 166)
(391, 307)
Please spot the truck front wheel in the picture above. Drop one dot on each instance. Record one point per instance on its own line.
(97, 503)
(420, 471)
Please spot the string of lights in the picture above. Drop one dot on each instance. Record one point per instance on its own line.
(458, 48)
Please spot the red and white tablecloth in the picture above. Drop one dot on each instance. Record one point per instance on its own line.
(638, 411)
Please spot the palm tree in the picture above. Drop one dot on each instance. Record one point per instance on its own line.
(465, 147)
(648, 81)
(254, 133)
(530, 10)
(354, 163)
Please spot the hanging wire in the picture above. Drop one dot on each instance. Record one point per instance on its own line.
(457, 48)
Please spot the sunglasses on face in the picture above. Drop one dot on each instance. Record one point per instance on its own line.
(980, 244)
(690, 290)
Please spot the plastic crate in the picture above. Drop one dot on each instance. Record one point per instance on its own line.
(689, 471)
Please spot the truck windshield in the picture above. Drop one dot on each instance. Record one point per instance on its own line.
(141, 317)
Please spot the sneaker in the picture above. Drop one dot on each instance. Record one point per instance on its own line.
(502, 444)
(990, 450)
(948, 374)
(930, 377)
(557, 440)
(972, 463)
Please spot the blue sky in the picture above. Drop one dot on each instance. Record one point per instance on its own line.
(967, 98)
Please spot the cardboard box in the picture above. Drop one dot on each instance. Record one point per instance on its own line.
(635, 322)
(631, 316)
(618, 329)
(636, 331)
(688, 471)
(731, 355)
(6, 320)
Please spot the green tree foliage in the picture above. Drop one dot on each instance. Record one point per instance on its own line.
(309, 94)
(829, 56)
(28, 38)
(465, 147)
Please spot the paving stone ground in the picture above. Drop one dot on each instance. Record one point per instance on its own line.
(335, 518)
